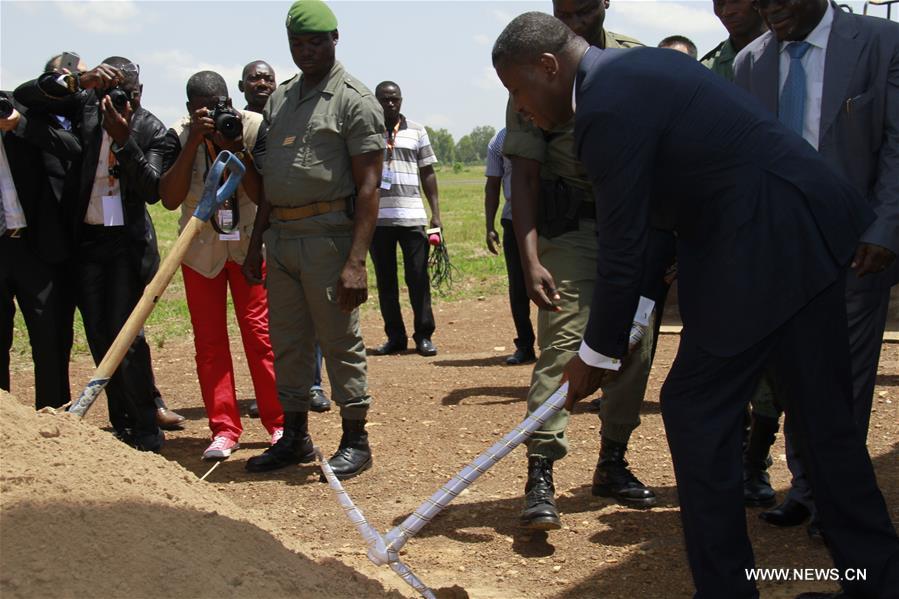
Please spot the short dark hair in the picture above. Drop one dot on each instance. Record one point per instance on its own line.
(131, 70)
(675, 40)
(206, 84)
(385, 84)
(243, 74)
(53, 63)
(528, 36)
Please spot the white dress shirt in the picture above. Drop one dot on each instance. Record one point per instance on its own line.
(813, 63)
(12, 209)
(94, 214)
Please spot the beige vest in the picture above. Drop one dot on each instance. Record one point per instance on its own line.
(207, 253)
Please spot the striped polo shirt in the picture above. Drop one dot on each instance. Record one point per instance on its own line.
(401, 205)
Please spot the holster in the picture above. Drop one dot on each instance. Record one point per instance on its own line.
(560, 207)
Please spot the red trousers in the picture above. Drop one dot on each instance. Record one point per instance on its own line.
(207, 300)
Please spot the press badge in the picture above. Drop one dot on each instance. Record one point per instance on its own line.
(112, 211)
(386, 179)
(226, 221)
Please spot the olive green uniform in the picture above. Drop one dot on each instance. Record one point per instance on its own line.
(571, 259)
(721, 61)
(311, 139)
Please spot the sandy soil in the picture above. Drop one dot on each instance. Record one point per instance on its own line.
(431, 416)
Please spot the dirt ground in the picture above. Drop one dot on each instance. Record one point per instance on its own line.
(430, 417)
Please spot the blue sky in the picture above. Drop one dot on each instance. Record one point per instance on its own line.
(438, 51)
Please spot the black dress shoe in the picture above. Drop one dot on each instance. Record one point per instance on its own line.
(391, 346)
(521, 356)
(318, 401)
(788, 513)
(540, 512)
(253, 410)
(424, 347)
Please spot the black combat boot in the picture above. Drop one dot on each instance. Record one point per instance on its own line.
(757, 491)
(353, 456)
(540, 511)
(612, 477)
(295, 447)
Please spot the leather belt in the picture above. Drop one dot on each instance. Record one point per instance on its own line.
(13, 233)
(301, 212)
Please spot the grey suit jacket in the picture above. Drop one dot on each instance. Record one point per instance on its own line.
(859, 131)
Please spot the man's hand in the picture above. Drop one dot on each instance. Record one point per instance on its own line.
(223, 143)
(252, 266)
(101, 77)
(436, 223)
(118, 125)
(583, 380)
(201, 125)
(10, 122)
(493, 241)
(352, 287)
(871, 259)
(541, 287)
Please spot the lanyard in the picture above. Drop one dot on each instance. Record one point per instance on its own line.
(112, 170)
(391, 140)
(229, 203)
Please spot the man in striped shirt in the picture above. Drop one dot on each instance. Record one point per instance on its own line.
(401, 220)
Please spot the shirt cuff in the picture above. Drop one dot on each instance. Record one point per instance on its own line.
(596, 359)
(641, 320)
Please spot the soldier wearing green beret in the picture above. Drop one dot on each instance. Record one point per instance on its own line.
(557, 239)
(321, 169)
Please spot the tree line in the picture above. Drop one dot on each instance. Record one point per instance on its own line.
(471, 148)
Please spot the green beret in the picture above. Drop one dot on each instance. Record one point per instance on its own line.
(310, 16)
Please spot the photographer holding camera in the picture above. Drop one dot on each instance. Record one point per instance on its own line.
(114, 244)
(215, 257)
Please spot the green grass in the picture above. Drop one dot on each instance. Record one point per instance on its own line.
(480, 273)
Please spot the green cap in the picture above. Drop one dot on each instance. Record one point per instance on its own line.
(310, 16)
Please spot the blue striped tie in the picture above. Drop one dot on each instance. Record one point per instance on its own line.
(791, 111)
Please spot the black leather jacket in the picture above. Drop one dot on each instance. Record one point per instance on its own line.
(140, 163)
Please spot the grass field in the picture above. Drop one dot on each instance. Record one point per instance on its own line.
(480, 273)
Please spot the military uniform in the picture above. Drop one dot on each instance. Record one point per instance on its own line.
(571, 259)
(721, 60)
(312, 135)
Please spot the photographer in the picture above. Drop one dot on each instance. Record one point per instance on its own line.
(114, 243)
(213, 261)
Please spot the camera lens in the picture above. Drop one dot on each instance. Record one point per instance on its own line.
(6, 108)
(119, 99)
(229, 125)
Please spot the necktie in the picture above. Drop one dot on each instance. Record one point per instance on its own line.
(791, 110)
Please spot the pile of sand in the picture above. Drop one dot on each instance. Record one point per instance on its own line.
(83, 515)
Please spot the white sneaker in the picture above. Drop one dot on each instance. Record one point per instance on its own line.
(220, 448)
(276, 436)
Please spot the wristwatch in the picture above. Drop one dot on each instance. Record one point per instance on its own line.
(242, 154)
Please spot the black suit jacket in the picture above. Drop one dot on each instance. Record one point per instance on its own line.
(140, 163)
(39, 157)
(763, 223)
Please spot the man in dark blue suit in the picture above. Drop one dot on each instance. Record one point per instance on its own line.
(765, 231)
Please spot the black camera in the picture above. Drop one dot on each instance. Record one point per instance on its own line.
(6, 108)
(227, 120)
(118, 96)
